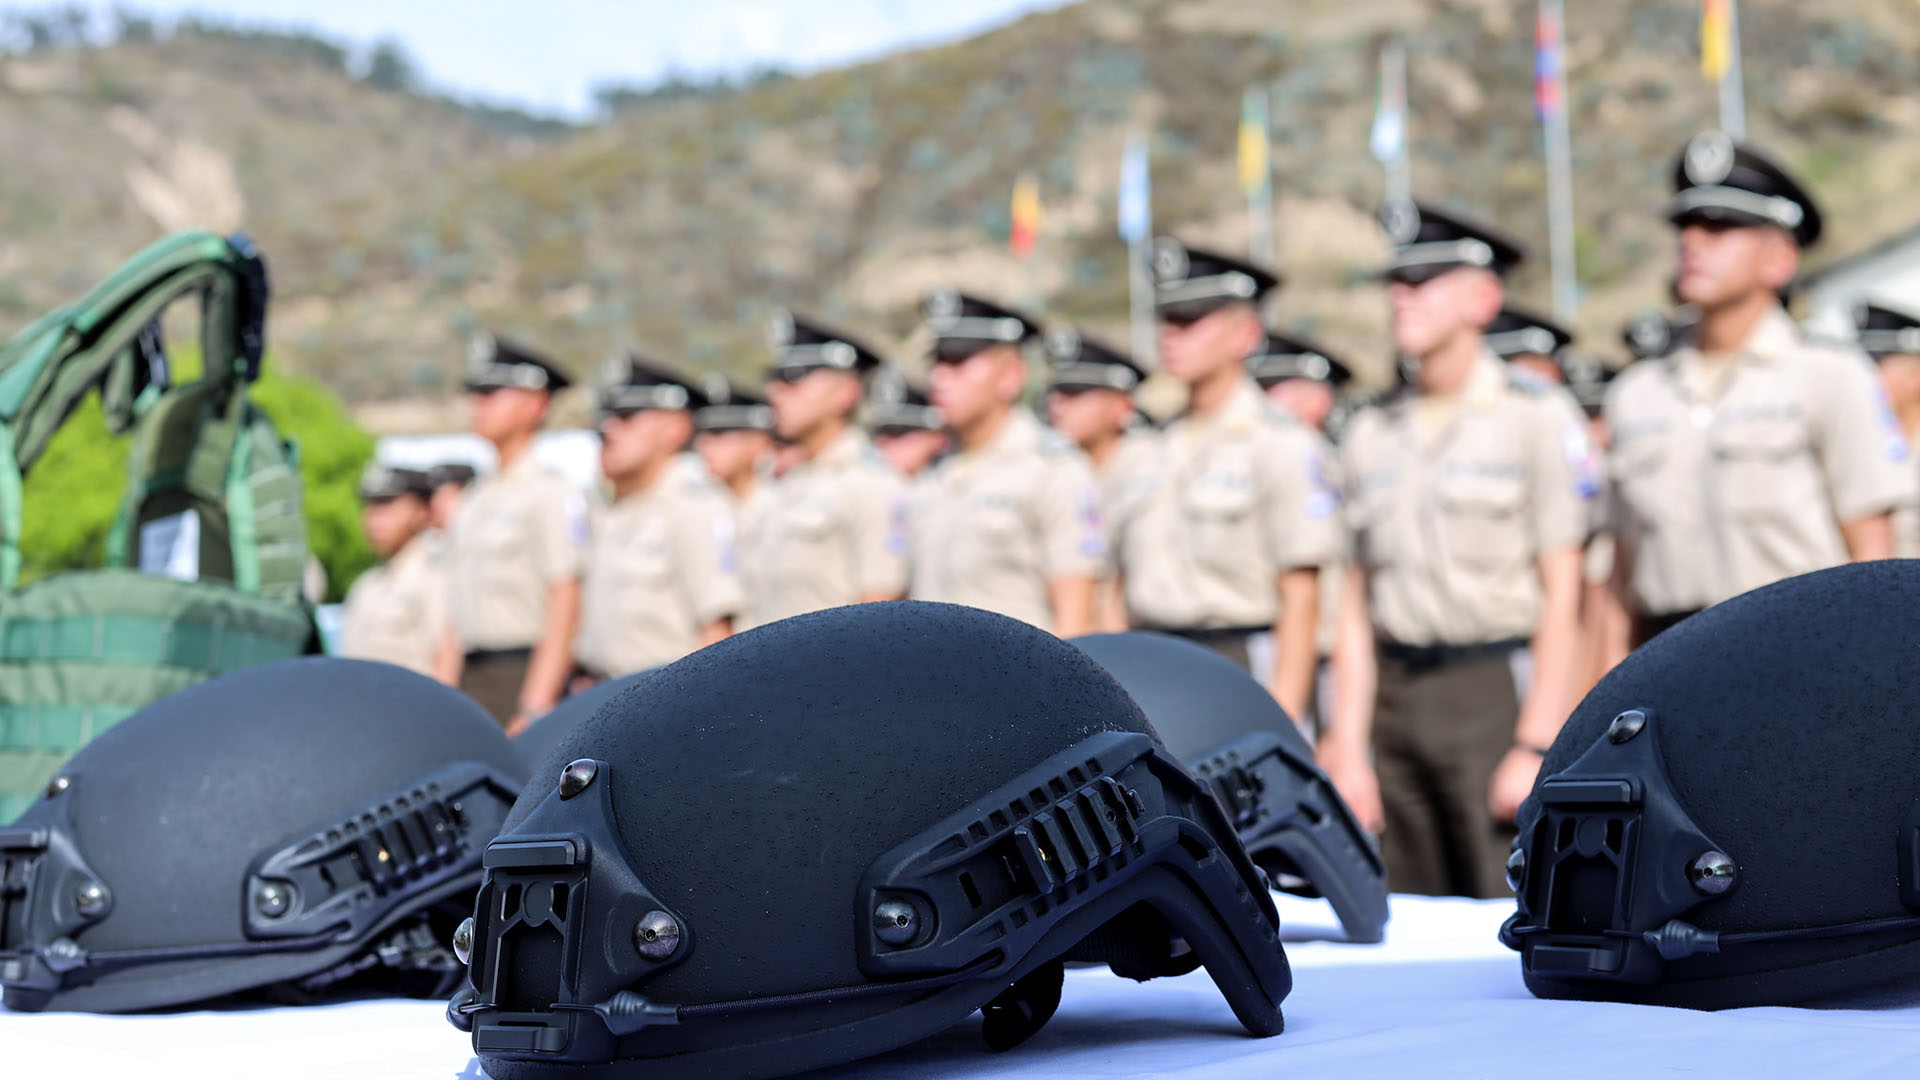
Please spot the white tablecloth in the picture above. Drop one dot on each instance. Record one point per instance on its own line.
(1441, 998)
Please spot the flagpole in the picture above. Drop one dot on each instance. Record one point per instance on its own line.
(1559, 148)
(1733, 91)
(1390, 138)
(1256, 174)
(1136, 228)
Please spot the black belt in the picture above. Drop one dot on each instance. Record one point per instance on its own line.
(1204, 634)
(1428, 657)
(481, 656)
(1646, 627)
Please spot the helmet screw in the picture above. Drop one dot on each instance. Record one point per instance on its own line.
(463, 940)
(575, 778)
(895, 922)
(1712, 873)
(272, 899)
(1516, 868)
(1626, 726)
(90, 899)
(58, 784)
(657, 936)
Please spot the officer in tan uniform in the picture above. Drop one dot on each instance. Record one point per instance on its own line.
(834, 530)
(1467, 497)
(396, 611)
(515, 553)
(1303, 378)
(1242, 505)
(907, 430)
(1750, 454)
(1306, 381)
(1011, 523)
(733, 434)
(663, 576)
(1090, 402)
(1890, 334)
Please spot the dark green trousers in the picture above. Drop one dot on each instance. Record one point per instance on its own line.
(1438, 733)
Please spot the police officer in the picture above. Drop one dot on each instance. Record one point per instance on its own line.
(1459, 632)
(1241, 507)
(1011, 522)
(733, 434)
(514, 555)
(1749, 454)
(663, 577)
(1529, 340)
(450, 480)
(1306, 381)
(1301, 377)
(1090, 401)
(1890, 334)
(396, 611)
(834, 530)
(907, 430)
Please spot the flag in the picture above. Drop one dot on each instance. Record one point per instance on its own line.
(1136, 193)
(1255, 172)
(1716, 38)
(1549, 78)
(1388, 140)
(1026, 215)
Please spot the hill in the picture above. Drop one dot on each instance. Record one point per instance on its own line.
(396, 222)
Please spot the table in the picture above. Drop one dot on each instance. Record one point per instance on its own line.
(1440, 998)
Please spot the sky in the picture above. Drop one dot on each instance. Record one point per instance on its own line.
(548, 54)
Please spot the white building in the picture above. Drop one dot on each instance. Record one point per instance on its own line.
(1889, 271)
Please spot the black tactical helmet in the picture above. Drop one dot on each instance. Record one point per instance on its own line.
(835, 834)
(280, 830)
(1732, 817)
(1233, 735)
(541, 738)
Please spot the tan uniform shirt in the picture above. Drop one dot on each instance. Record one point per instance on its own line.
(1123, 480)
(1233, 501)
(519, 532)
(1452, 502)
(834, 529)
(1718, 490)
(662, 566)
(397, 611)
(1003, 521)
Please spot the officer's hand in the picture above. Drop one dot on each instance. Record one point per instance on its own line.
(1353, 777)
(1512, 783)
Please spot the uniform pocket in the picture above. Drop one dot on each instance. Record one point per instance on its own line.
(1761, 466)
(1221, 513)
(1481, 514)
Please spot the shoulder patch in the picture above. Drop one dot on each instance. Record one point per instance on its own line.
(1054, 444)
(1528, 382)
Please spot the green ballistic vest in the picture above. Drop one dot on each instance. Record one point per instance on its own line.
(207, 552)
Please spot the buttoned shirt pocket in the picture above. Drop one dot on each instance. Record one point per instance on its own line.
(1762, 466)
(1481, 512)
(503, 539)
(999, 527)
(809, 523)
(1220, 513)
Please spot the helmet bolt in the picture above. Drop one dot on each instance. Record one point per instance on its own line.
(1712, 873)
(895, 922)
(272, 899)
(90, 899)
(575, 778)
(657, 936)
(1516, 868)
(463, 940)
(1626, 726)
(58, 784)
